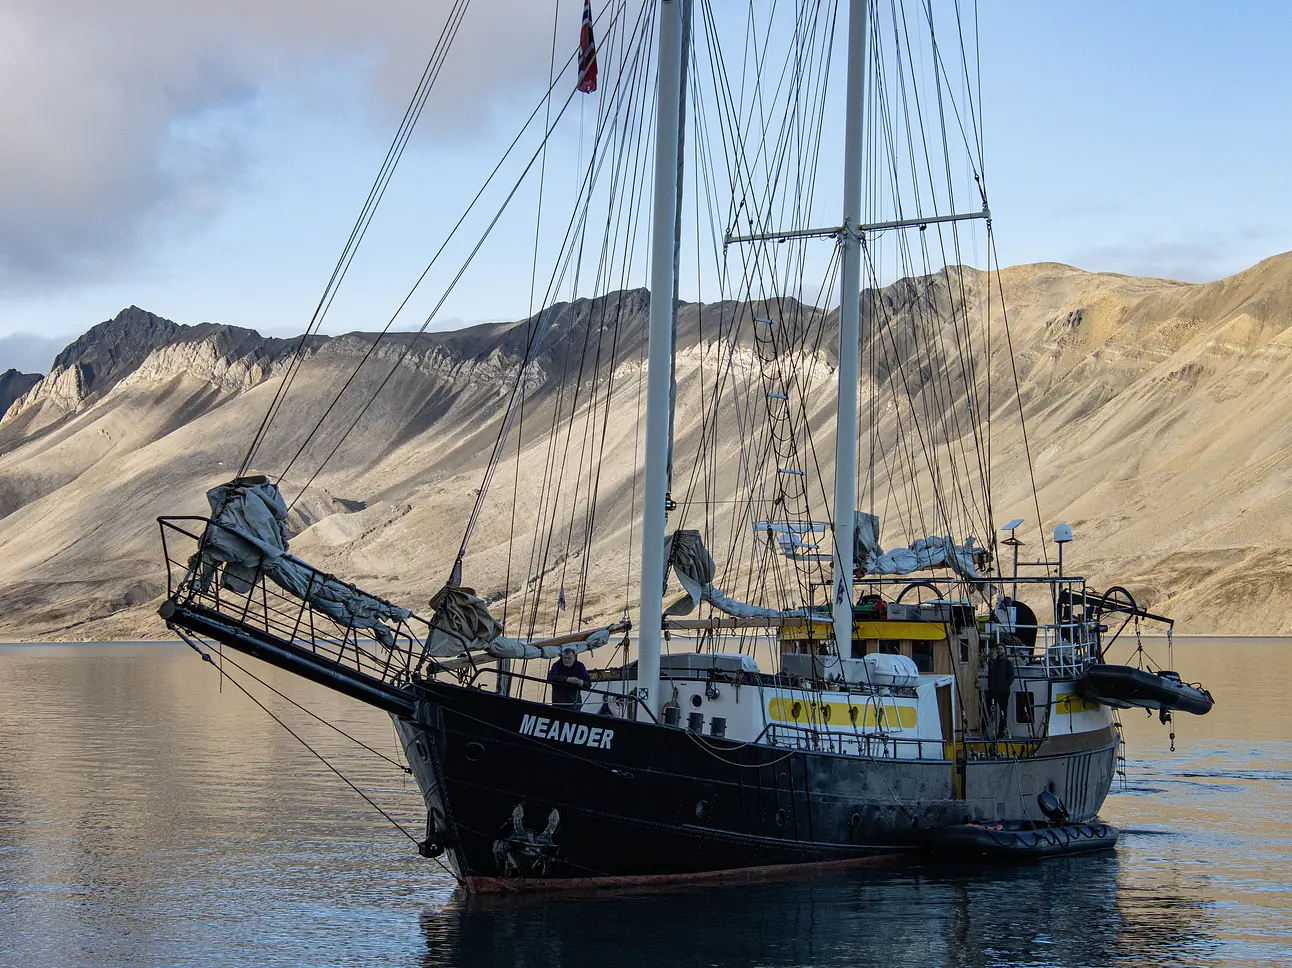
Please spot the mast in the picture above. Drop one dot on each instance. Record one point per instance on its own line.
(659, 351)
(845, 445)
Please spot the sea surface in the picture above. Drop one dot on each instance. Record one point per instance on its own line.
(152, 814)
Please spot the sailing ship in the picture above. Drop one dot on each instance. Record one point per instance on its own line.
(844, 709)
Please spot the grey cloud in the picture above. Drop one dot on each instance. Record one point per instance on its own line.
(28, 353)
(1204, 258)
(119, 118)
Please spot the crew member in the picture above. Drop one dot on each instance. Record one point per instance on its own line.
(568, 675)
(1000, 682)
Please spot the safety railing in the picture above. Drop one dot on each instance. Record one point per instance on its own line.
(259, 605)
(539, 690)
(1067, 659)
(866, 744)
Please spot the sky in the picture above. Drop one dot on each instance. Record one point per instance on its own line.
(206, 162)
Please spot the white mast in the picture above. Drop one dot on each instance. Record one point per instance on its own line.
(659, 352)
(845, 445)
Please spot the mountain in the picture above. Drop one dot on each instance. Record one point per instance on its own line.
(1154, 413)
(14, 385)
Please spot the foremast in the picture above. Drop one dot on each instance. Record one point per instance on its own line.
(845, 446)
(668, 122)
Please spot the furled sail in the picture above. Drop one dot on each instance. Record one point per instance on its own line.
(924, 553)
(249, 537)
(685, 553)
(462, 623)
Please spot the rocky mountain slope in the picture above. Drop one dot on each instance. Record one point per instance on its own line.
(1156, 416)
(14, 385)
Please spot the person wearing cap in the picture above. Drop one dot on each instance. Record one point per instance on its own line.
(568, 675)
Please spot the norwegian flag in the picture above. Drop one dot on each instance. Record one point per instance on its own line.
(587, 52)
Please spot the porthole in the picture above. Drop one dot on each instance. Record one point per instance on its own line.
(796, 709)
(421, 749)
(696, 701)
(474, 751)
(701, 809)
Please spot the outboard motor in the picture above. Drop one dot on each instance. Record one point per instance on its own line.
(1052, 807)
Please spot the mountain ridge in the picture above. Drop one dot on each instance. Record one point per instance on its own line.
(1155, 413)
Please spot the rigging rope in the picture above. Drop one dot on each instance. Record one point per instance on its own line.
(206, 657)
(412, 113)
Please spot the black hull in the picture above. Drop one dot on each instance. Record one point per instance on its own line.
(611, 801)
(514, 811)
(1025, 841)
(1125, 686)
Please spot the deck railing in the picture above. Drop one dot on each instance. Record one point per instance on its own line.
(263, 607)
(867, 744)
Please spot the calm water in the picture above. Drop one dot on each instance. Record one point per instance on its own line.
(148, 817)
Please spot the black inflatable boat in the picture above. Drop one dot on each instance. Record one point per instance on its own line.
(1125, 686)
(1026, 839)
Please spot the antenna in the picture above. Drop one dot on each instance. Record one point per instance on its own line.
(1014, 542)
(1062, 535)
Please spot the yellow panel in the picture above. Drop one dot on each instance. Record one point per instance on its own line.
(922, 631)
(809, 713)
(793, 631)
(1067, 703)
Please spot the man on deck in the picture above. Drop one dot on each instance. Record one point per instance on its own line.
(1000, 683)
(568, 675)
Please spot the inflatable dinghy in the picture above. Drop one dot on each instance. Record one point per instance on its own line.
(1026, 839)
(1125, 686)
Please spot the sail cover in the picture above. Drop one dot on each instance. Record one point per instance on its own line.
(685, 553)
(461, 622)
(928, 552)
(249, 536)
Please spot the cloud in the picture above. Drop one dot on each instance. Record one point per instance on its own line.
(28, 353)
(1206, 257)
(119, 117)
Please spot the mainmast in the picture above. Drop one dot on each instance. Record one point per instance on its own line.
(660, 351)
(845, 446)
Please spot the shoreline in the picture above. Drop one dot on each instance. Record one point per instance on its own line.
(5, 645)
(1196, 638)
(1191, 638)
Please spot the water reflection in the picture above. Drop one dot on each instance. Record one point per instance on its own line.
(1067, 912)
(148, 818)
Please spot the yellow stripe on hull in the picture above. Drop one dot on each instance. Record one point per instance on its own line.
(867, 714)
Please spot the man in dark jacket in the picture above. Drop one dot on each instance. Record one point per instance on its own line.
(1000, 683)
(567, 676)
